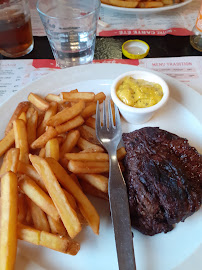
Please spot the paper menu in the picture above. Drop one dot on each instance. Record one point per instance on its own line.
(188, 70)
(179, 21)
(16, 74)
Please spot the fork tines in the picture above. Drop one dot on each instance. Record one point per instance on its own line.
(113, 119)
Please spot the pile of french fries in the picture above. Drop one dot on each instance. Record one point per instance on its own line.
(51, 159)
(140, 3)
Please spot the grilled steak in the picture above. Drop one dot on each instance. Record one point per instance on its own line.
(164, 179)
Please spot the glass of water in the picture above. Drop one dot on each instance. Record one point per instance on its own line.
(70, 26)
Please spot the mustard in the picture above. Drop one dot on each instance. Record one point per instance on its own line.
(139, 93)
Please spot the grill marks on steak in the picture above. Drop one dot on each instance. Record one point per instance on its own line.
(164, 179)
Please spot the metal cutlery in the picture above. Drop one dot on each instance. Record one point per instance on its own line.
(109, 135)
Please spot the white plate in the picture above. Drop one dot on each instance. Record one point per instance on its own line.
(146, 10)
(179, 249)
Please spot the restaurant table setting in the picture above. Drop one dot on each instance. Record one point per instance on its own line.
(178, 21)
(16, 74)
(79, 54)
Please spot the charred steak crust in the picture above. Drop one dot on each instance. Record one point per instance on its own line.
(163, 174)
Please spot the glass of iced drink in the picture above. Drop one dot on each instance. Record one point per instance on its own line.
(15, 28)
(70, 26)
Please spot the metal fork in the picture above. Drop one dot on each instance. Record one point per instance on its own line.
(109, 137)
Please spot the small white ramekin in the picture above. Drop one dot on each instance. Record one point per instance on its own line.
(139, 115)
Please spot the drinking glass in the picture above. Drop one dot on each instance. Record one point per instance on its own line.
(70, 26)
(15, 28)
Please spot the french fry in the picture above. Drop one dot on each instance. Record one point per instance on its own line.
(70, 185)
(151, 4)
(52, 110)
(113, 110)
(58, 243)
(89, 110)
(38, 196)
(90, 122)
(40, 103)
(39, 217)
(93, 156)
(53, 130)
(75, 179)
(88, 150)
(7, 142)
(12, 158)
(44, 138)
(28, 219)
(0, 217)
(89, 189)
(88, 134)
(69, 125)
(70, 142)
(8, 234)
(100, 97)
(53, 98)
(23, 117)
(84, 144)
(64, 105)
(98, 181)
(64, 162)
(56, 227)
(60, 139)
(22, 208)
(167, 2)
(74, 91)
(42, 152)
(67, 214)
(70, 199)
(22, 107)
(140, 4)
(28, 234)
(122, 168)
(3, 166)
(40, 118)
(21, 142)
(88, 166)
(121, 3)
(121, 152)
(66, 114)
(82, 219)
(29, 170)
(75, 97)
(87, 156)
(52, 149)
(10, 161)
(32, 118)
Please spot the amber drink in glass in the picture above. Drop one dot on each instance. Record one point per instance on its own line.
(15, 28)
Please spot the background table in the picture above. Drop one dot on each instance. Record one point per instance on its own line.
(110, 47)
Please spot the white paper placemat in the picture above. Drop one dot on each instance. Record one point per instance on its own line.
(15, 74)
